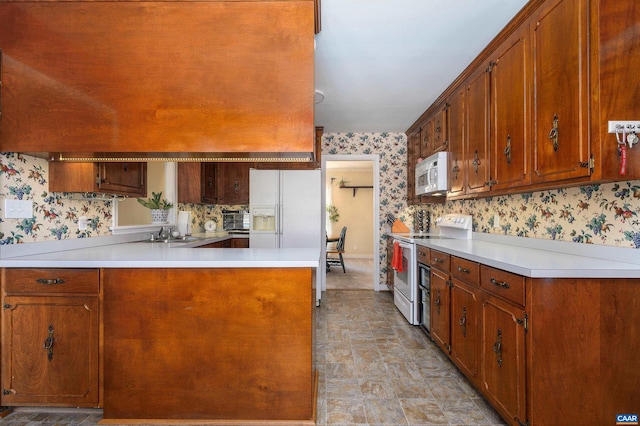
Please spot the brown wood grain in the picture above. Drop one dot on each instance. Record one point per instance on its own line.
(208, 344)
(157, 76)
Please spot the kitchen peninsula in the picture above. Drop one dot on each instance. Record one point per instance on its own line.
(186, 333)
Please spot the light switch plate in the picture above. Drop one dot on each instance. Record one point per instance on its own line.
(15, 209)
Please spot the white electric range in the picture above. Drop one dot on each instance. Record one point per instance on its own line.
(410, 300)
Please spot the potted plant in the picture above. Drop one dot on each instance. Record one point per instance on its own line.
(159, 207)
(333, 213)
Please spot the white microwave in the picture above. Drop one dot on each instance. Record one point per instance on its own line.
(431, 175)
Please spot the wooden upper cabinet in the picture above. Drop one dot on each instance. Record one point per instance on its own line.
(157, 76)
(560, 96)
(232, 183)
(456, 127)
(440, 129)
(477, 131)
(111, 178)
(426, 138)
(510, 122)
(299, 165)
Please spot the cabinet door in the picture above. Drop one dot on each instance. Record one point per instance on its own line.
(189, 182)
(456, 143)
(209, 188)
(240, 243)
(233, 183)
(503, 358)
(50, 351)
(440, 130)
(123, 178)
(413, 154)
(510, 120)
(426, 138)
(477, 135)
(440, 309)
(560, 91)
(464, 328)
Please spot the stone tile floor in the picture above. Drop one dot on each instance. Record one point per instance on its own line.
(375, 369)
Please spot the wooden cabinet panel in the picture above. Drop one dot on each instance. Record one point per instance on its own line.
(50, 338)
(440, 130)
(465, 332)
(476, 154)
(209, 187)
(510, 148)
(440, 309)
(48, 281)
(123, 178)
(440, 260)
(240, 243)
(245, 84)
(465, 270)
(190, 182)
(503, 284)
(426, 138)
(457, 183)
(316, 162)
(237, 346)
(560, 91)
(232, 183)
(503, 358)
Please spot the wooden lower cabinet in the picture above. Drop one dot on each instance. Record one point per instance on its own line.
(441, 310)
(218, 344)
(541, 351)
(50, 337)
(503, 357)
(465, 333)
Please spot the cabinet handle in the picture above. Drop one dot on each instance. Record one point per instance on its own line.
(553, 134)
(464, 270)
(507, 149)
(476, 162)
(437, 302)
(497, 348)
(497, 283)
(463, 321)
(48, 343)
(236, 187)
(438, 260)
(455, 169)
(45, 281)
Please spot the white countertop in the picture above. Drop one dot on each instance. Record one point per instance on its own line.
(541, 258)
(163, 255)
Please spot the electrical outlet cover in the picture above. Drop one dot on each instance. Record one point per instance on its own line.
(16, 209)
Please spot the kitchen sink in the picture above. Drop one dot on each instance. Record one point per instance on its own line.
(186, 239)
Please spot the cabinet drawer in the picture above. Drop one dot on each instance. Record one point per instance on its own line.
(51, 280)
(440, 260)
(423, 254)
(465, 270)
(503, 284)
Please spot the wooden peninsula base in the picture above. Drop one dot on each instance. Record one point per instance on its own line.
(209, 345)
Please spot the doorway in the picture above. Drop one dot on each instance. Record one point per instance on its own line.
(351, 186)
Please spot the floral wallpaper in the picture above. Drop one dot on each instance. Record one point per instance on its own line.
(23, 177)
(607, 214)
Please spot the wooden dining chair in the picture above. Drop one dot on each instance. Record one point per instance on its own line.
(337, 250)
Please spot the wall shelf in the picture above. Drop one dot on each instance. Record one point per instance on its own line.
(356, 187)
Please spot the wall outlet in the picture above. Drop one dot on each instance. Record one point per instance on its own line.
(16, 209)
(496, 221)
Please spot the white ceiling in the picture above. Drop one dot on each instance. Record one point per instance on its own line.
(381, 63)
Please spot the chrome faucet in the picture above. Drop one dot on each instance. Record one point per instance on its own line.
(165, 233)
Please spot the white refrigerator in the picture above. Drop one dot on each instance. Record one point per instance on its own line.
(286, 211)
(285, 207)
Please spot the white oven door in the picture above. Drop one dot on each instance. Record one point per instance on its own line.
(404, 281)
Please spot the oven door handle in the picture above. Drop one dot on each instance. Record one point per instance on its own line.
(405, 246)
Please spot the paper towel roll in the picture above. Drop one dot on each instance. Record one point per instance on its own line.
(184, 223)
